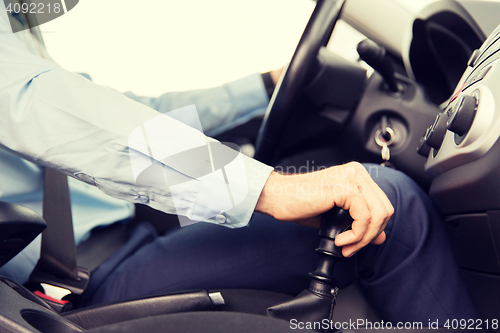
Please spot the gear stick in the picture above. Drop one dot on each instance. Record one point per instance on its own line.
(317, 302)
(376, 56)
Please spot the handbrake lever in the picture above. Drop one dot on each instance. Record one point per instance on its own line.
(316, 303)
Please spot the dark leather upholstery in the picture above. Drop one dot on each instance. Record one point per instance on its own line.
(250, 301)
(18, 227)
(202, 322)
(93, 317)
(308, 306)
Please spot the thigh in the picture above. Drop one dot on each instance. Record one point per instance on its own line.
(413, 275)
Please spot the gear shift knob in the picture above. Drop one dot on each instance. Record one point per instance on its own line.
(333, 222)
(316, 303)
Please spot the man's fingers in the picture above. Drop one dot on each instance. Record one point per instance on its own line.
(351, 249)
(360, 213)
(378, 209)
(389, 211)
(383, 197)
(379, 239)
(370, 215)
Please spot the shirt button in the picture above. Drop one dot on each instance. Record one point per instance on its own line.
(144, 199)
(86, 178)
(221, 218)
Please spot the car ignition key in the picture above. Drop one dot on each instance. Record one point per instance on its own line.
(382, 142)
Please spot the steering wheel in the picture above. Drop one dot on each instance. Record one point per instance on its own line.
(295, 77)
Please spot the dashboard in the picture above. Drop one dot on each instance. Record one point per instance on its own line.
(463, 150)
(463, 138)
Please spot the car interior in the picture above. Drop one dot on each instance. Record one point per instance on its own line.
(422, 103)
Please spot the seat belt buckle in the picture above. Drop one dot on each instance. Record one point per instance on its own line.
(58, 304)
(56, 288)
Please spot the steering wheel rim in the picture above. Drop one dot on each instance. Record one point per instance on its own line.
(295, 76)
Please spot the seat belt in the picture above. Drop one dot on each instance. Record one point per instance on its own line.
(57, 264)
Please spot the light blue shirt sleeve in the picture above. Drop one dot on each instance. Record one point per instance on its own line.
(219, 108)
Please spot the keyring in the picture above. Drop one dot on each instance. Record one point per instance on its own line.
(381, 141)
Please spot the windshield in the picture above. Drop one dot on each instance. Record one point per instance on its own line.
(151, 47)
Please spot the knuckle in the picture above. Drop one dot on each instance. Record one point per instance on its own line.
(390, 212)
(356, 164)
(367, 216)
(359, 168)
(381, 218)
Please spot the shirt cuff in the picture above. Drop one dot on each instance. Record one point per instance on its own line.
(226, 196)
(248, 93)
(268, 83)
(257, 174)
(249, 99)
